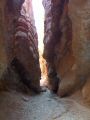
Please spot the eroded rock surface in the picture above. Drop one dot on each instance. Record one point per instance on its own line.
(67, 49)
(79, 12)
(20, 42)
(57, 47)
(86, 91)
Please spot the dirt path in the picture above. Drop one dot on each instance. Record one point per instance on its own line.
(46, 106)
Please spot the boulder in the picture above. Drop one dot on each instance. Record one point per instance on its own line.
(86, 91)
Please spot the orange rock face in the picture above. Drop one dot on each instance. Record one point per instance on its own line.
(79, 12)
(67, 48)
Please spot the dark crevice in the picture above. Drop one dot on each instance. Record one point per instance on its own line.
(23, 74)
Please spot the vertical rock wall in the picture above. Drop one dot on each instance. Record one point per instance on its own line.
(79, 12)
(67, 44)
(3, 61)
(3, 54)
(57, 41)
(21, 43)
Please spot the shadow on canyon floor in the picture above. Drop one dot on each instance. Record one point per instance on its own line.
(46, 106)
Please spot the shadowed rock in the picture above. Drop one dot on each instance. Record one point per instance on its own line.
(20, 43)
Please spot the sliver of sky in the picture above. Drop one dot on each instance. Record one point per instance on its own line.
(39, 20)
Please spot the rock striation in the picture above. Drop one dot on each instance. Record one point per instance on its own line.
(66, 45)
(20, 43)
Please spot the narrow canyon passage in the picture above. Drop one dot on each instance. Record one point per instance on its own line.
(44, 60)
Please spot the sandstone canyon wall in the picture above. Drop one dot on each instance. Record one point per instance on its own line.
(57, 40)
(81, 41)
(19, 58)
(67, 44)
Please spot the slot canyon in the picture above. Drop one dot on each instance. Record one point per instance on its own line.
(52, 83)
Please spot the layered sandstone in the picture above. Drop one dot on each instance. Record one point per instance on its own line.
(21, 43)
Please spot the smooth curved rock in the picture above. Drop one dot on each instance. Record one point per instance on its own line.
(86, 91)
(79, 12)
(68, 43)
(57, 47)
